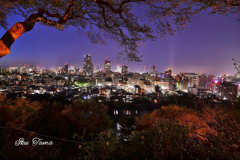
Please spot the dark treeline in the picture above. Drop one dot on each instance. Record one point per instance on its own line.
(84, 130)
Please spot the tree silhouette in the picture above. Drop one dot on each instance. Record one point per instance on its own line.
(127, 22)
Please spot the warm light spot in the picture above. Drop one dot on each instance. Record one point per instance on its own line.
(17, 30)
(4, 50)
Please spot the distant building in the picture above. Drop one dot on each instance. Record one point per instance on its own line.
(73, 69)
(162, 85)
(66, 68)
(24, 69)
(118, 69)
(169, 71)
(153, 71)
(58, 70)
(13, 69)
(192, 90)
(182, 82)
(107, 66)
(227, 91)
(192, 79)
(124, 70)
(87, 65)
(201, 93)
(38, 68)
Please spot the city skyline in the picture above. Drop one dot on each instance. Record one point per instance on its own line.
(208, 44)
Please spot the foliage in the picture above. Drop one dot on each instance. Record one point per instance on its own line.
(118, 20)
(189, 134)
(141, 100)
(22, 118)
(171, 133)
(82, 131)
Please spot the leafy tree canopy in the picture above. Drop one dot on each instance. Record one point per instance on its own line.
(127, 22)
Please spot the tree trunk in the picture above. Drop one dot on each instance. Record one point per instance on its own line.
(16, 31)
(9, 37)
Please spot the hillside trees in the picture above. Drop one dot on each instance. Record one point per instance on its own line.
(127, 22)
(55, 122)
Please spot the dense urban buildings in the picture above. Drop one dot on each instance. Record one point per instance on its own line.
(107, 66)
(118, 85)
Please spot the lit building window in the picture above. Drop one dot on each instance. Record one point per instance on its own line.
(115, 112)
(127, 112)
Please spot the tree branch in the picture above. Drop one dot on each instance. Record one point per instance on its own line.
(232, 4)
(68, 12)
(104, 17)
(56, 15)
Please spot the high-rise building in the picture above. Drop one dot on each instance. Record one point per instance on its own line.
(73, 68)
(38, 68)
(107, 66)
(58, 70)
(192, 79)
(66, 68)
(87, 65)
(124, 70)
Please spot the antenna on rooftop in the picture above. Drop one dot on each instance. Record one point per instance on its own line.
(237, 66)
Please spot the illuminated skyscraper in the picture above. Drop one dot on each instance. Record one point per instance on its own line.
(66, 68)
(124, 70)
(73, 68)
(107, 66)
(87, 65)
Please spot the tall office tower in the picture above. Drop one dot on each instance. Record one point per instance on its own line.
(73, 68)
(66, 68)
(87, 65)
(144, 69)
(58, 70)
(38, 68)
(124, 70)
(107, 66)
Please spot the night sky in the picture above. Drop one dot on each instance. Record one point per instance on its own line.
(208, 44)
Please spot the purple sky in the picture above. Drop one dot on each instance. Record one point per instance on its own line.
(208, 44)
